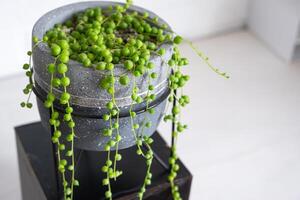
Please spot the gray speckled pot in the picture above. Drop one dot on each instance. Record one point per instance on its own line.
(87, 99)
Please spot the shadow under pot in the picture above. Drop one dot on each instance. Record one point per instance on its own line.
(87, 99)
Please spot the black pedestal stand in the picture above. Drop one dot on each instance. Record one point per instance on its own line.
(39, 178)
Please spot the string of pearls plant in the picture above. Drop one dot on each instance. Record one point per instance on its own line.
(99, 39)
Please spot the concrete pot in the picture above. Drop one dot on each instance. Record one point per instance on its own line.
(87, 99)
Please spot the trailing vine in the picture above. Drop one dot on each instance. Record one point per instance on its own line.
(27, 67)
(177, 80)
(100, 39)
(59, 79)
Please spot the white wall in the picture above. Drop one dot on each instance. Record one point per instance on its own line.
(283, 39)
(191, 18)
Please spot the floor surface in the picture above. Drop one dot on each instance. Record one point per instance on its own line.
(243, 141)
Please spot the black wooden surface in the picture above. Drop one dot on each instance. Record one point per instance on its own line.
(39, 180)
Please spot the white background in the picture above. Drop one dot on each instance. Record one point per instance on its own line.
(243, 141)
(191, 18)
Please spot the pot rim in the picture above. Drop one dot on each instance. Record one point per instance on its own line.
(40, 28)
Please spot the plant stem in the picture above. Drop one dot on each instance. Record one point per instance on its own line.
(58, 143)
(206, 60)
